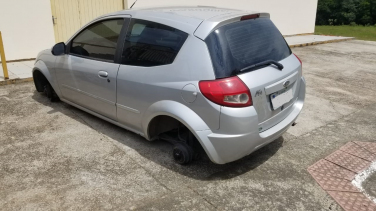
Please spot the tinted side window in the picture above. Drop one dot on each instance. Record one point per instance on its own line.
(151, 44)
(98, 41)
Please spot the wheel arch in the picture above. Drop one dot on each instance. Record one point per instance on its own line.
(39, 80)
(174, 110)
(185, 116)
(41, 71)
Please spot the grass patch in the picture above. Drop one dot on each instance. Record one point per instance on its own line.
(359, 32)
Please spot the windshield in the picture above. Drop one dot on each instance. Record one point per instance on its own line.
(238, 45)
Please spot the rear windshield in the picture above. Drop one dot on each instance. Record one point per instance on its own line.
(238, 45)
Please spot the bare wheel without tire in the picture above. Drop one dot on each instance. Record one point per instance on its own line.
(182, 153)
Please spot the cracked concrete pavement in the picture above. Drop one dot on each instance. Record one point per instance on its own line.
(54, 156)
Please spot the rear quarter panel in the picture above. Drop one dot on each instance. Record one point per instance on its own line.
(141, 87)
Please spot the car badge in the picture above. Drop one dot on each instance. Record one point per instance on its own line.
(258, 93)
(286, 84)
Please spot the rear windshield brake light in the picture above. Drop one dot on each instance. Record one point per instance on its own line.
(247, 17)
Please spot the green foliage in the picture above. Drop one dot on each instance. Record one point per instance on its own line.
(359, 32)
(344, 12)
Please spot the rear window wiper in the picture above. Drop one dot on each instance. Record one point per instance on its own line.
(262, 64)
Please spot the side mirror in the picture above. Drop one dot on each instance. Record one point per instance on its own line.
(58, 49)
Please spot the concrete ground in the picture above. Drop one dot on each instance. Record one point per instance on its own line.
(54, 156)
(18, 70)
(369, 185)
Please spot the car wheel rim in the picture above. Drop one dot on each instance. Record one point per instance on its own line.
(178, 155)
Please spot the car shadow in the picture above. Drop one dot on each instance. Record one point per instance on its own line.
(160, 152)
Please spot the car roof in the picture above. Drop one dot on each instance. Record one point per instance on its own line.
(198, 12)
(187, 19)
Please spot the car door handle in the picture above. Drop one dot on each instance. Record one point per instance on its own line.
(103, 74)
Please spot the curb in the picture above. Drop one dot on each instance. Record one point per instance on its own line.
(304, 34)
(15, 81)
(321, 42)
(21, 60)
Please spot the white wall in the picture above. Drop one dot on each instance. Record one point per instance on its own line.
(26, 27)
(290, 16)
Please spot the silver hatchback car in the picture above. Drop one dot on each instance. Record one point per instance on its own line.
(220, 80)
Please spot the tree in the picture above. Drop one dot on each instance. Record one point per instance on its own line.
(338, 12)
(364, 11)
(348, 12)
(325, 11)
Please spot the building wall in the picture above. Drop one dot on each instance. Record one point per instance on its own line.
(71, 15)
(290, 16)
(26, 27)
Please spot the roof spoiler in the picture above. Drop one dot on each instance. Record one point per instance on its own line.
(211, 24)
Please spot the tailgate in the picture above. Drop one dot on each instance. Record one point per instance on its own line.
(268, 82)
(241, 48)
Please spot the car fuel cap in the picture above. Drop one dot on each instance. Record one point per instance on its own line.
(189, 93)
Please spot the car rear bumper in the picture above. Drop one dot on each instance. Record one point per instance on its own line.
(239, 135)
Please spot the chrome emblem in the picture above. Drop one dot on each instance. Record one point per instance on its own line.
(258, 93)
(286, 84)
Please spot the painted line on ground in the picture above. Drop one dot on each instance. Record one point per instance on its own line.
(15, 81)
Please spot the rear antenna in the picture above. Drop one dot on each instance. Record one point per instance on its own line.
(133, 4)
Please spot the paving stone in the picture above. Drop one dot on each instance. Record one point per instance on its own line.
(328, 182)
(358, 151)
(369, 146)
(348, 161)
(350, 201)
(335, 172)
(329, 168)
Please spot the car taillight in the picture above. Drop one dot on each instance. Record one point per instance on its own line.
(299, 59)
(231, 92)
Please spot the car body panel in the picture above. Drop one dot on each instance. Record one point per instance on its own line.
(101, 116)
(45, 63)
(187, 117)
(238, 135)
(79, 82)
(269, 80)
(136, 95)
(139, 87)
